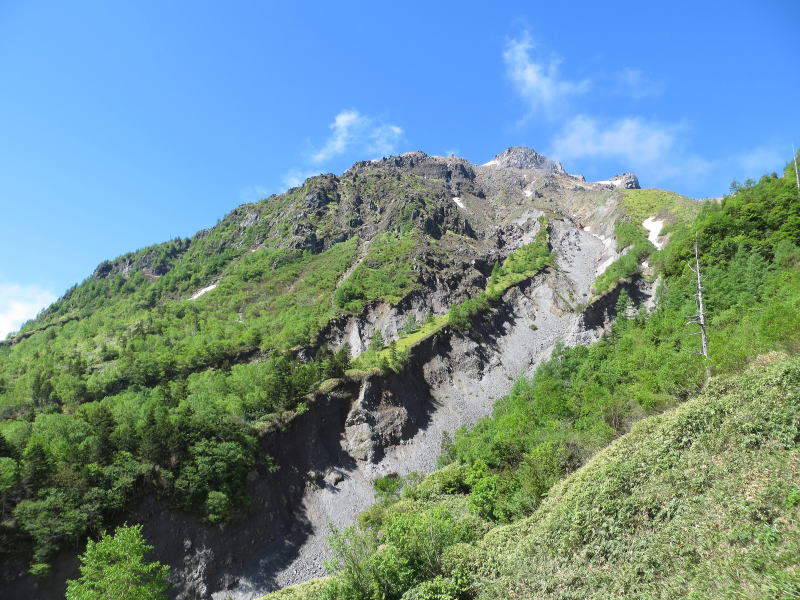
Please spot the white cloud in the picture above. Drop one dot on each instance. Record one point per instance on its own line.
(19, 303)
(538, 82)
(632, 139)
(655, 151)
(383, 140)
(352, 131)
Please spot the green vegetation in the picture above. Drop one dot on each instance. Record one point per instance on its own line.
(716, 477)
(385, 273)
(659, 204)
(114, 567)
(147, 392)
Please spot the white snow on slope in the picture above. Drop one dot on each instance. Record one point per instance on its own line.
(654, 227)
(528, 193)
(457, 200)
(199, 293)
(491, 163)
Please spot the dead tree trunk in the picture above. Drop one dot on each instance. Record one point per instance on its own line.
(700, 317)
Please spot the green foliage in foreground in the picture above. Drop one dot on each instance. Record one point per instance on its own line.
(697, 503)
(115, 567)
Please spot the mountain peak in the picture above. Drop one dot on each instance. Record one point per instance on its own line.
(522, 157)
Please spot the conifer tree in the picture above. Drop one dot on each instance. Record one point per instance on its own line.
(115, 567)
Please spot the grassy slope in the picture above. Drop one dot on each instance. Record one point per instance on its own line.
(700, 502)
(660, 204)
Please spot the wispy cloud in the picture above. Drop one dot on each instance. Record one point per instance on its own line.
(630, 138)
(537, 80)
(353, 134)
(19, 303)
(352, 131)
(653, 149)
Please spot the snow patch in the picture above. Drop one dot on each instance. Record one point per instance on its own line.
(528, 193)
(588, 228)
(199, 293)
(491, 163)
(654, 227)
(457, 200)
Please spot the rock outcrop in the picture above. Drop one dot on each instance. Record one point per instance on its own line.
(627, 181)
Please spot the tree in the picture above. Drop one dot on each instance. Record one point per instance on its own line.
(410, 325)
(622, 305)
(8, 478)
(458, 317)
(6, 449)
(35, 468)
(114, 567)
(377, 341)
(103, 424)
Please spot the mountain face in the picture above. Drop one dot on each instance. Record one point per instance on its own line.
(237, 391)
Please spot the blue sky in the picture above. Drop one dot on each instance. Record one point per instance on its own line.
(127, 124)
